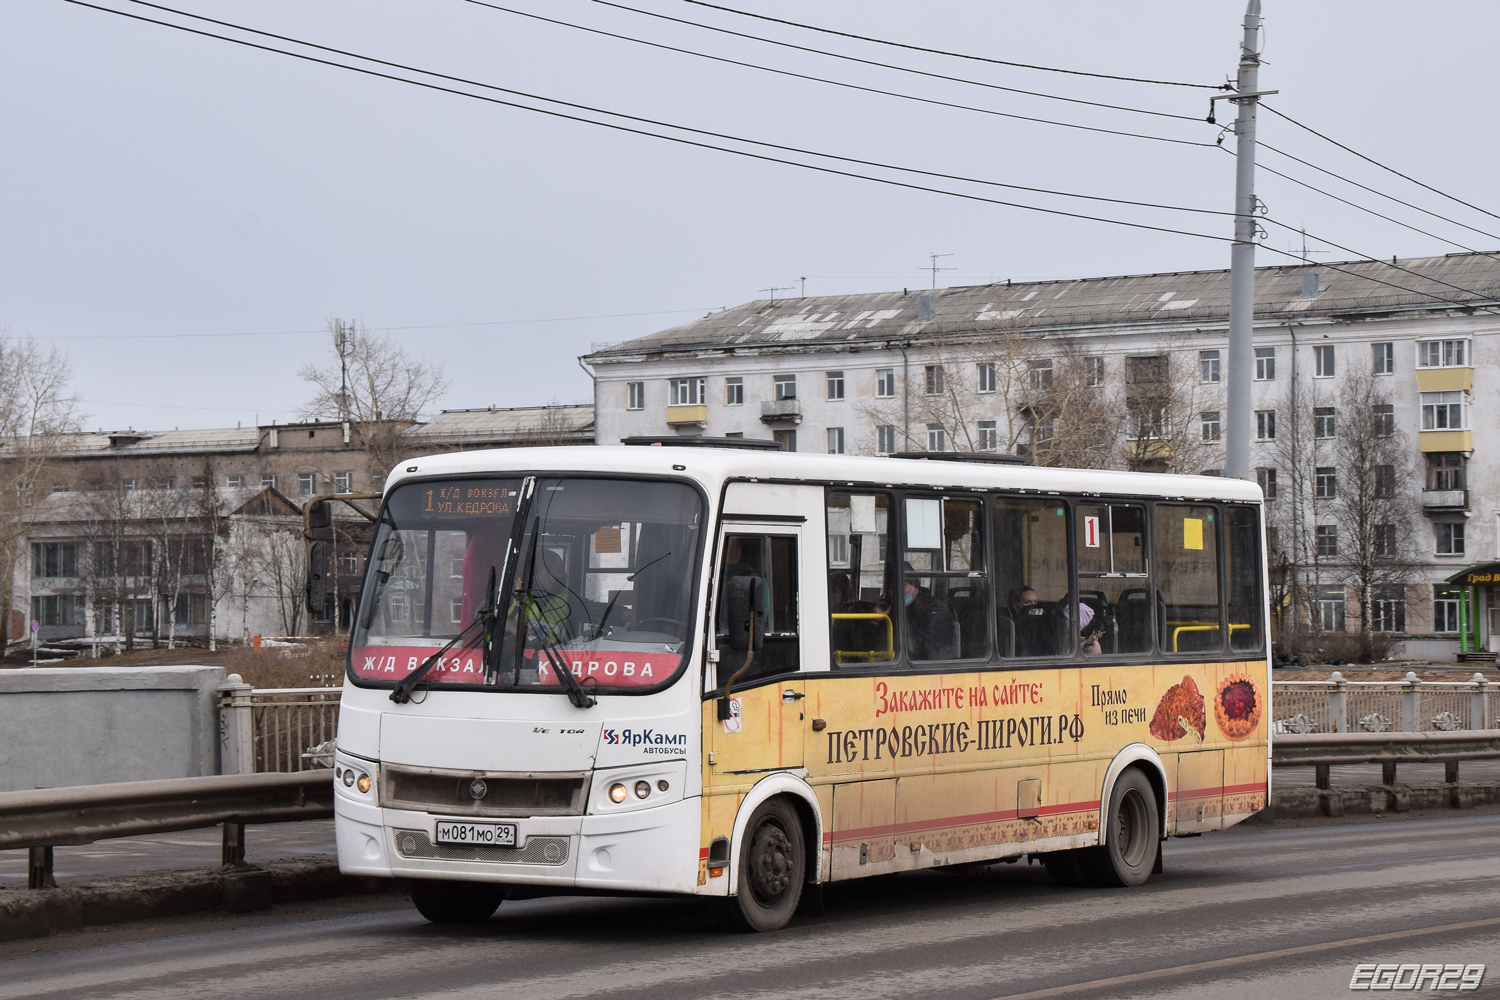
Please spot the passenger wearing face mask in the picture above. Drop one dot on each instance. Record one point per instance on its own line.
(931, 629)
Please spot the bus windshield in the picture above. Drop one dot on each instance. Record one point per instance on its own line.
(600, 583)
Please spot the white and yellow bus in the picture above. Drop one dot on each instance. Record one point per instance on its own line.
(742, 674)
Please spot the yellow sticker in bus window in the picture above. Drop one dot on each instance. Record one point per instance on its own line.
(1192, 533)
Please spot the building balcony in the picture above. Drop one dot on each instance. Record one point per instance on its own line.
(1445, 501)
(1428, 441)
(687, 416)
(781, 411)
(1445, 379)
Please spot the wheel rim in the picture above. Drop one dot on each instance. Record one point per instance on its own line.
(770, 864)
(1130, 828)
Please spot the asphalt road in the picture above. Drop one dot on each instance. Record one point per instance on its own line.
(1272, 912)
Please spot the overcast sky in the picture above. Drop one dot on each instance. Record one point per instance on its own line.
(183, 215)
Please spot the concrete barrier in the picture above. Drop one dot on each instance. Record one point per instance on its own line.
(94, 725)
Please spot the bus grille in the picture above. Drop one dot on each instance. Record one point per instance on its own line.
(507, 794)
(536, 850)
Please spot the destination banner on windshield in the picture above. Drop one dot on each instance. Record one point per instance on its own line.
(483, 499)
(611, 668)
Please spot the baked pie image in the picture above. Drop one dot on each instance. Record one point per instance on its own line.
(1180, 712)
(1237, 706)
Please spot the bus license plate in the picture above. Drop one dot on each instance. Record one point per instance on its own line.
(483, 834)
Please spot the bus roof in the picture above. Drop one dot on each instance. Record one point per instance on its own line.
(712, 466)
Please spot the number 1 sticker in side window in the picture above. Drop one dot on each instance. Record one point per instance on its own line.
(1091, 532)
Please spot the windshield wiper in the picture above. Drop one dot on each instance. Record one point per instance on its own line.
(401, 693)
(576, 694)
(629, 579)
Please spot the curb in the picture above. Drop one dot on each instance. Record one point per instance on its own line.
(32, 913)
(1308, 803)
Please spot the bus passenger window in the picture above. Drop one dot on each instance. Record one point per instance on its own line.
(1115, 605)
(1031, 577)
(1187, 578)
(861, 578)
(772, 558)
(1247, 600)
(943, 580)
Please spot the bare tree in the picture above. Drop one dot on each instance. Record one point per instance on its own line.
(286, 568)
(372, 383)
(37, 407)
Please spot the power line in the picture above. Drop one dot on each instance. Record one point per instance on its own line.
(1367, 159)
(654, 122)
(1363, 187)
(835, 83)
(890, 66)
(957, 55)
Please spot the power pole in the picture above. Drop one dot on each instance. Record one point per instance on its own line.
(1242, 255)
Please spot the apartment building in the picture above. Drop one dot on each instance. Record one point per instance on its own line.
(1369, 396)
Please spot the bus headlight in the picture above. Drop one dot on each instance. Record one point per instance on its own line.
(617, 792)
(642, 789)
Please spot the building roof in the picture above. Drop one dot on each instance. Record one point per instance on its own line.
(571, 423)
(178, 504)
(133, 443)
(1342, 289)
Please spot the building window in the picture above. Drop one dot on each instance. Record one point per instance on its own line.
(835, 382)
(1445, 608)
(989, 436)
(1265, 364)
(349, 563)
(1450, 538)
(735, 434)
(1331, 604)
(200, 482)
(786, 439)
(937, 438)
(1093, 371)
(1388, 609)
(1323, 422)
(635, 395)
(784, 387)
(1145, 370)
(1208, 366)
(233, 482)
(1265, 425)
(307, 484)
(1039, 374)
(53, 559)
(935, 382)
(1327, 536)
(1325, 482)
(1442, 353)
(1443, 411)
(885, 439)
(343, 482)
(1323, 359)
(1210, 421)
(1266, 480)
(1384, 420)
(1385, 480)
(127, 485)
(985, 376)
(1146, 424)
(687, 391)
(1445, 470)
(60, 609)
(1385, 539)
(734, 391)
(1384, 358)
(835, 440)
(164, 484)
(269, 482)
(885, 382)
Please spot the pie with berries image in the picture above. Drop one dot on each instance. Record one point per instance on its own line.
(1237, 706)
(1180, 712)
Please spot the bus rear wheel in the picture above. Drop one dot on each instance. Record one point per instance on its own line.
(772, 868)
(456, 902)
(1132, 832)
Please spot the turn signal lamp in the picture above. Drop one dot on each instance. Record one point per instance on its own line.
(363, 784)
(618, 792)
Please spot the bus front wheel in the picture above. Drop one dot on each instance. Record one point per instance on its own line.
(772, 868)
(456, 902)
(1132, 832)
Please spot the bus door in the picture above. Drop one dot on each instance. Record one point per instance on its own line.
(764, 728)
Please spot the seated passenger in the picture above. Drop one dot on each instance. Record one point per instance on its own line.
(932, 631)
(1036, 626)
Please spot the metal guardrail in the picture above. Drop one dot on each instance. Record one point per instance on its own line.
(272, 729)
(44, 818)
(1409, 705)
(1324, 750)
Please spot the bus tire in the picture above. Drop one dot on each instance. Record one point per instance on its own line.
(456, 902)
(772, 868)
(1132, 835)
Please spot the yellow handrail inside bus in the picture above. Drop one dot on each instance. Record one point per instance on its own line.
(871, 655)
(1200, 627)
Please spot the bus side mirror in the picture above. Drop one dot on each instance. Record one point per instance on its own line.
(317, 576)
(319, 519)
(747, 613)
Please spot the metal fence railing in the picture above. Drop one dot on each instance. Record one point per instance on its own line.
(1337, 705)
(274, 729)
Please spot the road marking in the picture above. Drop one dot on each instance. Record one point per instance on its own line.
(1224, 963)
